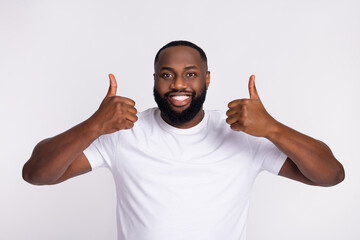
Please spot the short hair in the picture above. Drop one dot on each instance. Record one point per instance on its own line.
(182, 43)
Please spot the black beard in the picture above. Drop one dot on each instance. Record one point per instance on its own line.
(178, 118)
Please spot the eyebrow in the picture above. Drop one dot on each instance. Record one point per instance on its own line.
(186, 68)
(167, 68)
(191, 67)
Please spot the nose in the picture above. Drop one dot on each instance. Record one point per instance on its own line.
(179, 83)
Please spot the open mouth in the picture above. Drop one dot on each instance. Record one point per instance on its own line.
(179, 99)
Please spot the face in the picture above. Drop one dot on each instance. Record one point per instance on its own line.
(181, 80)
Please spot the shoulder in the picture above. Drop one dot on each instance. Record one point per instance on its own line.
(147, 117)
(147, 121)
(217, 119)
(216, 115)
(147, 112)
(217, 123)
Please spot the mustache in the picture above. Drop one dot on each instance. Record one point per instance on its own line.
(192, 93)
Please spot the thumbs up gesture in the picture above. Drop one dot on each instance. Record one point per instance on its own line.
(249, 115)
(115, 113)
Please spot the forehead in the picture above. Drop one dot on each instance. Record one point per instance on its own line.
(179, 57)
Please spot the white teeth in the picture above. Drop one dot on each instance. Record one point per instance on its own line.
(180, 98)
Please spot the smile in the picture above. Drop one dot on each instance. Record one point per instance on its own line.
(179, 100)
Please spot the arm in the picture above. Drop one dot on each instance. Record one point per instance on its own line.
(61, 157)
(309, 160)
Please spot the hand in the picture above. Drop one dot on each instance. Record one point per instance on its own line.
(115, 113)
(249, 115)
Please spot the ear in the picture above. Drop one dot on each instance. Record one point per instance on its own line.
(154, 76)
(207, 79)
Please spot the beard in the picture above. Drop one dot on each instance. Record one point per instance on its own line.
(178, 118)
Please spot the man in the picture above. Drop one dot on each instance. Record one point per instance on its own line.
(182, 172)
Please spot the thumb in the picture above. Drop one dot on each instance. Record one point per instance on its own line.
(252, 89)
(113, 86)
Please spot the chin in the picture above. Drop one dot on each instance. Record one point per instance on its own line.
(180, 115)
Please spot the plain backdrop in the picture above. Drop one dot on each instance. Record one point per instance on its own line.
(54, 61)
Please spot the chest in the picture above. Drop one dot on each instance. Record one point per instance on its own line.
(202, 166)
(183, 183)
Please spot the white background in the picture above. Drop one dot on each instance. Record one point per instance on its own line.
(54, 61)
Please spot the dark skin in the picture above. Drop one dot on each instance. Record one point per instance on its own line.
(182, 70)
(59, 158)
(309, 160)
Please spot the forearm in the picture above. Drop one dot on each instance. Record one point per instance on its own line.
(51, 157)
(312, 157)
(59, 158)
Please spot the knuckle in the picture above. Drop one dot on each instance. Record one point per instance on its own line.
(244, 114)
(234, 103)
(121, 121)
(242, 119)
(128, 101)
(117, 104)
(235, 127)
(244, 123)
(129, 125)
(120, 107)
(113, 99)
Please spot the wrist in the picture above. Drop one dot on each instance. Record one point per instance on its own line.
(274, 130)
(92, 128)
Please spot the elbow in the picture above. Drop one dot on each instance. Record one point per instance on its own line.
(340, 176)
(26, 173)
(36, 170)
(35, 177)
(337, 176)
(31, 177)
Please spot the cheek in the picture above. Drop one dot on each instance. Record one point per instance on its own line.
(162, 86)
(199, 86)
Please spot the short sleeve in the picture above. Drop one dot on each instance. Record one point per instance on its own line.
(101, 152)
(268, 156)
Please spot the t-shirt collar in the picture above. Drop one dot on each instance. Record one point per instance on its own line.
(187, 131)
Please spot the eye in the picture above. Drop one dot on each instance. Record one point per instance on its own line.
(166, 75)
(191, 74)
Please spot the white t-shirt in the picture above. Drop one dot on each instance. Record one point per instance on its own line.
(183, 184)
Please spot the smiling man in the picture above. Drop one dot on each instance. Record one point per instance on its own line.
(181, 80)
(182, 172)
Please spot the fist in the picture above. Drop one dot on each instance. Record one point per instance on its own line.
(115, 113)
(249, 115)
